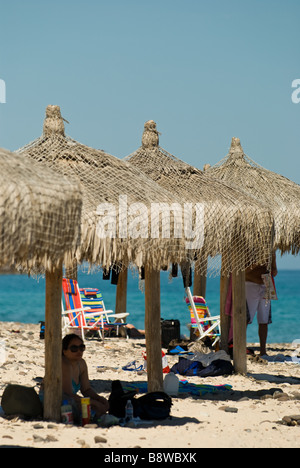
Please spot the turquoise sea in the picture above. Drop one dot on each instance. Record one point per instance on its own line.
(22, 300)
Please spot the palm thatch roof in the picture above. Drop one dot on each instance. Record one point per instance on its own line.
(281, 194)
(39, 214)
(235, 225)
(119, 203)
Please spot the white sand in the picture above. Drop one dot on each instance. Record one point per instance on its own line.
(195, 423)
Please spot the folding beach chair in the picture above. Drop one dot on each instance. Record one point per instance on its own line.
(201, 320)
(76, 317)
(92, 298)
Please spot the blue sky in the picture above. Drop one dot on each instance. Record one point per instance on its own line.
(205, 71)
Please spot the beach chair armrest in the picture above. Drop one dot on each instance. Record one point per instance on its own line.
(209, 319)
(120, 316)
(83, 309)
(95, 314)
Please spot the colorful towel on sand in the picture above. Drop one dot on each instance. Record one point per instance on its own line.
(184, 388)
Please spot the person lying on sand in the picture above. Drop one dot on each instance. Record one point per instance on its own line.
(75, 376)
(134, 332)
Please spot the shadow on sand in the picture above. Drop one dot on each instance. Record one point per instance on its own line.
(101, 386)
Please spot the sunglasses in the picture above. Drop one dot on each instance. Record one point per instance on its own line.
(75, 348)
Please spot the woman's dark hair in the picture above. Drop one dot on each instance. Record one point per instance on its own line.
(67, 340)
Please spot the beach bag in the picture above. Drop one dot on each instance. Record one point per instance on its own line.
(17, 399)
(154, 405)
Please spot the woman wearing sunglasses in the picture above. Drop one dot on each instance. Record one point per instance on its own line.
(75, 375)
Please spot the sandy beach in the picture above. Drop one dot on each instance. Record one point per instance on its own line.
(249, 415)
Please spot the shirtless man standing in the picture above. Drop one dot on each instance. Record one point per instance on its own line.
(255, 293)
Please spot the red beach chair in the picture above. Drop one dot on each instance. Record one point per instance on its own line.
(76, 317)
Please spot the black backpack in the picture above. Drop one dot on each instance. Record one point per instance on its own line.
(154, 405)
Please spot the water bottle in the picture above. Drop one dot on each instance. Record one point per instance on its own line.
(128, 411)
(171, 384)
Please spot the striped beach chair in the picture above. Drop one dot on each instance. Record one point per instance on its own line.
(75, 316)
(92, 298)
(201, 321)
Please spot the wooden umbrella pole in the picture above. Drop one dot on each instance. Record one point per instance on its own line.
(153, 329)
(121, 296)
(239, 322)
(53, 345)
(225, 319)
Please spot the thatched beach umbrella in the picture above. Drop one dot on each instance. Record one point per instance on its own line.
(279, 193)
(40, 215)
(235, 227)
(120, 207)
(230, 217)
(121, 218)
